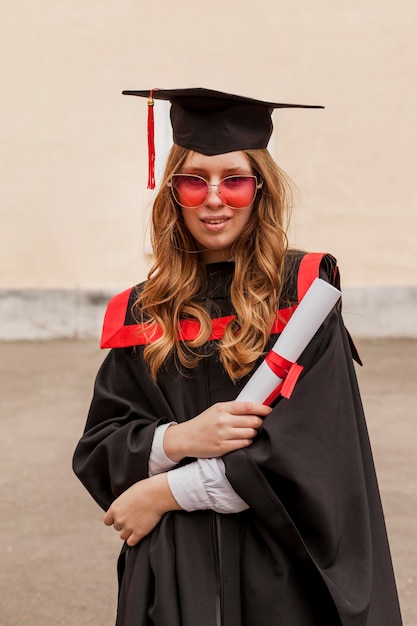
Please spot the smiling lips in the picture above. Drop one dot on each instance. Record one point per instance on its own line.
(214, 220)
(215, 225)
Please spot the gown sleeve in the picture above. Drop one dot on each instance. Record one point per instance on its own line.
(113, 452)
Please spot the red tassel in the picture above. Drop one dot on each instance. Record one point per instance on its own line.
(151, 142)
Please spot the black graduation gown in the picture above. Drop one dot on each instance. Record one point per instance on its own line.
(312, 549)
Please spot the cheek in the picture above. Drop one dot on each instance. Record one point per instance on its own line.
(245, 216)
(190, 220)
(187, 216)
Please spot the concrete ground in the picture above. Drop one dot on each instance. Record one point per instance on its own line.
(58, 559)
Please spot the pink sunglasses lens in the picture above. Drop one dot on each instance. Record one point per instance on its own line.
(238, 191)
(189, 191)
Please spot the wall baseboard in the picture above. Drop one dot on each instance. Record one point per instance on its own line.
(41, 314)
(381, 311)
(38, 314)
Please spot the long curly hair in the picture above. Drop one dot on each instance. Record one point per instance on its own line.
(178, 274)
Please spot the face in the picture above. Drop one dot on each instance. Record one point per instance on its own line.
(214, 225)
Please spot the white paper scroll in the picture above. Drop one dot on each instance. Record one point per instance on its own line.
(297, 334)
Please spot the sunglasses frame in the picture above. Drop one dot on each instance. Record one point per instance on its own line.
(259, 185)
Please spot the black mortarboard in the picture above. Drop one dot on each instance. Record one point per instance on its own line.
(213, 122)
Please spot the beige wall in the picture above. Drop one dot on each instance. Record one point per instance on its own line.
(73, 163)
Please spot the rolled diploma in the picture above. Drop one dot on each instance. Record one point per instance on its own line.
(297, 334)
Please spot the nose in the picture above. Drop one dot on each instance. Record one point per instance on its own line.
(213, 197)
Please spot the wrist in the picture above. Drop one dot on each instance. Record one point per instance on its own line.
(173, 443)
(162, 494)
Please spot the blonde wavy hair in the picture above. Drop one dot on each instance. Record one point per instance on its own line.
(178, 275)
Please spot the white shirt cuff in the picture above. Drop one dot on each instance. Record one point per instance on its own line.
(202, 484)
(159, 462)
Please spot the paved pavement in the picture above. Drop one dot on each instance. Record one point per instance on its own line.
(58, 559)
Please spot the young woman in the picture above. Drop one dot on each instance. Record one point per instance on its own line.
(232, 513)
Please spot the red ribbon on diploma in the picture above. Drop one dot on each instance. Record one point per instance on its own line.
(287, 371)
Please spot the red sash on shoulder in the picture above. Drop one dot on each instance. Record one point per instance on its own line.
(117, 334)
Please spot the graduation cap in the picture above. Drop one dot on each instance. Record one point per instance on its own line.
(212, 122)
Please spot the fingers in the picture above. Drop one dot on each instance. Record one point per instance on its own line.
(249, 417)
(132, 540)
(252, 411)
(108, 519)
(242, 436)
(248, 425)
(240, 427)
(126, 533)
(249, 408)
(248, 433)
(237, 444)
